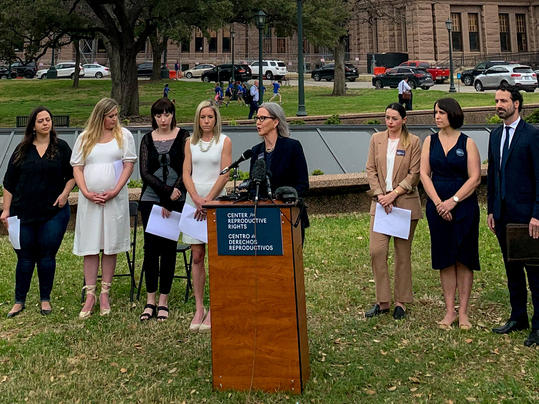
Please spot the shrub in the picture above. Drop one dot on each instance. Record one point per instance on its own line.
(232, 122)
(533, 117)
(317, 172)
(373, 122)
(494, 119)
(134, 184)
(242, 175)
(297, 122)
(333, 120)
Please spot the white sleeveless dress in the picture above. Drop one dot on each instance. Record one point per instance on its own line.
(206, 166)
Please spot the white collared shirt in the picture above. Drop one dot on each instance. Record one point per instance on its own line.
(512, 129)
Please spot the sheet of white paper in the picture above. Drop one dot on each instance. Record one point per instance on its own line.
(396, 223)
(118, 168)
(167, 227)
(189, 225)
(14, 230)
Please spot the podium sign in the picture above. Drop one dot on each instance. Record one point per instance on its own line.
(244, 231)
(257, 297)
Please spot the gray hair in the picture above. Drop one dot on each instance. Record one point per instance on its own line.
(277, 112)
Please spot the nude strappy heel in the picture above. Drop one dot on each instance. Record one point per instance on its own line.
(90, 291)
(105, 289)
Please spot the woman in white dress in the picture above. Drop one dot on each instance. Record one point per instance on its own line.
(102, 160)
(207, 152)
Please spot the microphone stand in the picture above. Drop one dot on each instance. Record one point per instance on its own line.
(235, 195)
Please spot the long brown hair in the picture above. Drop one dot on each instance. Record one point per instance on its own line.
(405, 135)
(30, 136)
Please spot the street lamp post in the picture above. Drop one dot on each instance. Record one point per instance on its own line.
(301, 92)
(449, 25)
(232, 33)
(260, 23)
(52, 73)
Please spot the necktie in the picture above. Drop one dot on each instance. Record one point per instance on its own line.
(505, 153)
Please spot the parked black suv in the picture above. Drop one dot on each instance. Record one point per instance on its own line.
(392, 77)
(327, 72)
(224, 73)
(145, 69)
(18, 69)
(468, 76)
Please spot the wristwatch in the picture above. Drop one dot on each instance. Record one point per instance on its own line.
(456, 198)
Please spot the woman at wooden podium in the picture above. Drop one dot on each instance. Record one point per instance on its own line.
(207, 152)
(284, 157)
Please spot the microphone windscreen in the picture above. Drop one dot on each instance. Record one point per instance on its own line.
(259, 170)
(247, 154)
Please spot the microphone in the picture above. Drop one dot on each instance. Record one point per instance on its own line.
(247, 154)
(259, 175)
(268, 184)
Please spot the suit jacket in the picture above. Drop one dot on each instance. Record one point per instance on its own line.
(288, 165)
(522, 175)
(405, 172)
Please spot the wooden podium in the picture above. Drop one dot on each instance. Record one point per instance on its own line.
(257, 299)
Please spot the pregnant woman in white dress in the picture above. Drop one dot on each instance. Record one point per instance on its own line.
(102, 160)
(207, 152)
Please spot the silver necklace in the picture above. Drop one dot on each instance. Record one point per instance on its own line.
(202, 149)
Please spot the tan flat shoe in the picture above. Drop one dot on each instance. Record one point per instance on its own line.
(90, 291)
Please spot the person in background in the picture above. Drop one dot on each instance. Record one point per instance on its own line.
(161, 164)
(393, 175)
(276, 86)
(177, 69)
(254, 96)
(166, 90)
(103, 158)
(450, 173)
(513, 197)
(229, 92)
(218, 97)
(241, 92)
(37, 183)
(405, 94)
(207, 152)
(283, 155)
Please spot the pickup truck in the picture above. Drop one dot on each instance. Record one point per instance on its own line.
(439, 75)
(468, 76)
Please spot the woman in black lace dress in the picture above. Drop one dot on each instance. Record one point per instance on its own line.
(161, 162)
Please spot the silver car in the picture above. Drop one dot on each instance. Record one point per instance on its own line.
(521, 76)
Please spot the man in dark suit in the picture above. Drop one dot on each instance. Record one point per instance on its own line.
(513, 197)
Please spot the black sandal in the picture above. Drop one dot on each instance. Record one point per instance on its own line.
(162, 308)
(147, 316)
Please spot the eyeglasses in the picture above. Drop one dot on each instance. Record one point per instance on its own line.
(262, 118)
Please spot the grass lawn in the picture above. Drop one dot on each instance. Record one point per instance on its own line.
(60, 358)
(19, 97)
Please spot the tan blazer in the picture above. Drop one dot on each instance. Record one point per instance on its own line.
(405, 172)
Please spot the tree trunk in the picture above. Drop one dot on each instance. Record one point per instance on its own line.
(339, 83)
(114, 63)
(123, 71)
(77, 63)
(157, 50)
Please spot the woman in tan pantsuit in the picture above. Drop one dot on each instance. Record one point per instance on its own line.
(393, 175)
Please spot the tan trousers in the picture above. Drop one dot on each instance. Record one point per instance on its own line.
(379, 248)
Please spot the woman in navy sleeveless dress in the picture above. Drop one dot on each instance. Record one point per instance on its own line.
(450, 173)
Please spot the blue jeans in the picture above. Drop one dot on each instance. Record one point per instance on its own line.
(40, 242)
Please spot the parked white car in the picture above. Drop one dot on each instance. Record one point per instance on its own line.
(270, 69)
(521, 76)
(95, 70)
(63, 69)
(198, 70)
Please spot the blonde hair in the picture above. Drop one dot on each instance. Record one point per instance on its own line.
(94, 126)
(197, 131)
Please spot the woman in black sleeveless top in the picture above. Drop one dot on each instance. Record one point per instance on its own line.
(450, 173)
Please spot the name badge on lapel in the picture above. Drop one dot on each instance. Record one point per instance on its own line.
(260, 156)
(401, 152)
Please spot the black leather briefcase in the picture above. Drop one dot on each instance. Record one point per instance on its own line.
(520, 246)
